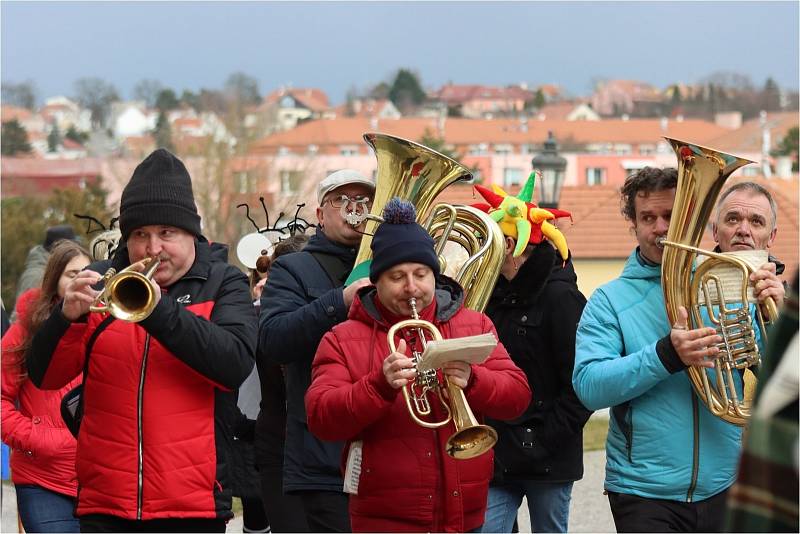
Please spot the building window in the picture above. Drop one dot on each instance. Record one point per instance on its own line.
(647, 150)
(528, 149)
(283, 151)
(502, 150)
(622, 150)
(478, 150)
(291, 182)
(313, 149)
(595, 175)
(348, 151)
(512, 176)
(242, 182)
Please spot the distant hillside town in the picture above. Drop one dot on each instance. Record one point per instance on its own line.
(242, 145)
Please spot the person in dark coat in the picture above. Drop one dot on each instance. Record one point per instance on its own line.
(303, 298)
(536, 306)
(285, 512)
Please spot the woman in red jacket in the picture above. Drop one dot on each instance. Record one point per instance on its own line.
(403, 480)
(43, 457)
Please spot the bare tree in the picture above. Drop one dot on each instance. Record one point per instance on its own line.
(148, 91)
(96, 95)
(22, 94)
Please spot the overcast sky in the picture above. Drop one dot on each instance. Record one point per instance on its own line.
(339, 45)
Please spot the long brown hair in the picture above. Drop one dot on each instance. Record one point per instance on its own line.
(63, 252)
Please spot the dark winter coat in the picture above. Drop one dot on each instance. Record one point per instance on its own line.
(537, 314)
(155, 437)
(299, 304)
(407, 482)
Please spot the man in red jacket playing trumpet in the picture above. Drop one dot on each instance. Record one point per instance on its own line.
(159, 394)
(398, 473)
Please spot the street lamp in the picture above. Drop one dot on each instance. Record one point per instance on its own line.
(551, 168)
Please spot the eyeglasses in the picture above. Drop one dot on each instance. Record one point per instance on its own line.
(338, 202)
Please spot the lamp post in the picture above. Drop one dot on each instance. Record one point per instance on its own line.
(551, 167)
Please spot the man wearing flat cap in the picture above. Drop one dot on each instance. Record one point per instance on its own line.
(303, 298)
(153, 441)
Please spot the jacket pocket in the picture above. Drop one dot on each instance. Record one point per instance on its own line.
(519, 451)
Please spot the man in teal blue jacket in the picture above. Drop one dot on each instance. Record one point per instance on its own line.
(670, 461)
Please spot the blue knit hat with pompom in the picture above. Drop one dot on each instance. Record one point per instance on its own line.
(399, 239)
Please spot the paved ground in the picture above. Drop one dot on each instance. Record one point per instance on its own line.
(589, 511)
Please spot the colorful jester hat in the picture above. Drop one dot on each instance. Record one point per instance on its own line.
(522, 219)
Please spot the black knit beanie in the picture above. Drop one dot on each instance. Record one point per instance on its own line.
(58, 233)
(160, 192)
(399, 239)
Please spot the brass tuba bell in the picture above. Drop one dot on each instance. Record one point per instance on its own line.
(128, 295)
(409, 171)
(701, 175)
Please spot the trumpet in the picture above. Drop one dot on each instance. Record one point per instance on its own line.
(470, 439)
(128, 295)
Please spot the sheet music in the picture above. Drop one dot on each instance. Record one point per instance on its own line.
(471, 349)
(731, 277)
(352, 473)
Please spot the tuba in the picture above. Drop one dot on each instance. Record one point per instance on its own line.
(128, 295)
(701, 175)
(410, 171)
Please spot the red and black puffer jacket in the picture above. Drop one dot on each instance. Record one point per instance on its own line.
(407, 481)
(154, 441)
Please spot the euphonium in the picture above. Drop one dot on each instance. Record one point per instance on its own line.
(128, 295)
(701, 175)
(470, 439)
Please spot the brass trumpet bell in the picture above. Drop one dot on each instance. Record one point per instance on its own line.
(128, 295)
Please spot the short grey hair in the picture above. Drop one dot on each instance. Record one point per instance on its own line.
(755, 189)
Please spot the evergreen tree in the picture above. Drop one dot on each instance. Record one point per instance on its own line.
(54, 138)
(166, 100)
(538, 99)
(789, 147)
(406, 91)
(14, 139)
(190, 99)
(771, 96)
(75, 135)
(26, 219)
(163, 133)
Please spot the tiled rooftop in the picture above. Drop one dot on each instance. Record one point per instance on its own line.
(599, 231)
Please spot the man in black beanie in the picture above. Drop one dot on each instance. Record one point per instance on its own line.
(398, 473)
(158, 393)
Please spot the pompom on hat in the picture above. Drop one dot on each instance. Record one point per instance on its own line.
(521, 219)
(400, 239)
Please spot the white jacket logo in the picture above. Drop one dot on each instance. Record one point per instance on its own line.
(185, 299)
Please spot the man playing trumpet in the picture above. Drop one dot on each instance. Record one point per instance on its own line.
(153, 445)
(398, 473)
